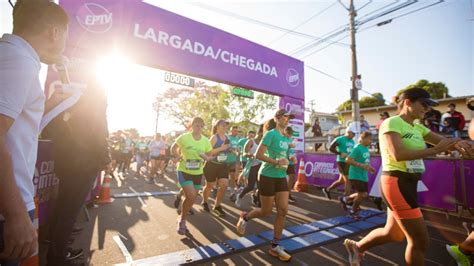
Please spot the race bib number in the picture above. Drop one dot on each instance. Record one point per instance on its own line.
(221, 157)
(193, 164)
(415, 166)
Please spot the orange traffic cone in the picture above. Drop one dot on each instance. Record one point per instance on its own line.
(104, 196)
(301, 185)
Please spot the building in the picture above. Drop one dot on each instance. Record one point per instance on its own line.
(372, 114)
(326, 121)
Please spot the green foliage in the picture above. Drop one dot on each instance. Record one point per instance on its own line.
(214, 103)
(183, 104)
(367, 101)
(437, 90)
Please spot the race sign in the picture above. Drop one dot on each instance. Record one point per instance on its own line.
(179, 79)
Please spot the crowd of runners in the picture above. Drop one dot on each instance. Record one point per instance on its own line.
(263, 162)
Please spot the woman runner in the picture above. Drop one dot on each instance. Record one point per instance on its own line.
(272, 185)
(402, 147)
(190, 150)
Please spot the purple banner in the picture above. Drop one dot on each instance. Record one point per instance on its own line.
(45, 180)
(158, 38)
(437, 188)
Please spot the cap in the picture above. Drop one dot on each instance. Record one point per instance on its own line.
(221, 121)
(419, 94)
(350, 130)
(283, 112)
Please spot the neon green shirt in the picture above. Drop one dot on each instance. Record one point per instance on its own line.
(344, 145)
(360, 154)
(412, 139)
(277, 148)
(191, 162)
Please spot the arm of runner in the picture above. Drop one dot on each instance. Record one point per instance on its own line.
(175, 151)
(463, 146)
(261, 156)
(333, 146)
(20, 237)
(399, 153)
(216, 151)
(248, 145)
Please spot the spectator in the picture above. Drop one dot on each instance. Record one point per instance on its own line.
(432, 119)
(456, 122)
(39, 34)
(316, 129)
(383, 116)
(364, 125)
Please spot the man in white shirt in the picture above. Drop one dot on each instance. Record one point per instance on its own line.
(39, 34)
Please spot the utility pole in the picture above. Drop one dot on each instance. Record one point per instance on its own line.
(354, 90)
(156, 107)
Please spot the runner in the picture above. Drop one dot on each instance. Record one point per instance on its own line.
(273, 186)
(190, 150)
(341, 146)
(359, 166)
(141, 153)
(233, 160)
(291, 166)
(243, 159)
(157, 149)
(217, 169)
(402, 144)
(252, 165)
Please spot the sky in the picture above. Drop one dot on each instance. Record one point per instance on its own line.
(434, 44)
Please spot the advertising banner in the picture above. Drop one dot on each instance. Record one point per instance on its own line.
(158, 38)
(436, 189)
(45, 180)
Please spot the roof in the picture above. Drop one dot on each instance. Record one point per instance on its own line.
(384, 107)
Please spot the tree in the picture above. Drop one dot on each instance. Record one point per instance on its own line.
(213, 103)
(183, 104)
(367, 101)
(245, 112)
(437, 90)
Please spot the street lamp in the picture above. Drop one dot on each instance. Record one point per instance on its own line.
(156, 107)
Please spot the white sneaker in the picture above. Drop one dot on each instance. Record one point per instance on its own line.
(353, 251)
(280, 252)
(242, 224)
(237, 201)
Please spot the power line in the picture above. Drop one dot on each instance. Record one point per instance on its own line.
(377, 24)
(332, 34)
(304, 22)
(322, 72)
(255, 21)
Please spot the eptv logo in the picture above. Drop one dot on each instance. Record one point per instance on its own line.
(94, 18)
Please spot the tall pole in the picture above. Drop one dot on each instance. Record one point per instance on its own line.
(354, 90)
(157, 116)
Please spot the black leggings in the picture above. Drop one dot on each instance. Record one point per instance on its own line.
(251, 181)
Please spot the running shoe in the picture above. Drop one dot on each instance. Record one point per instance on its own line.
(233, 196)
(177, 201)
(181, 227)
(241, 224)
(254, 199)
(326, 193)
(217, 210)
(237, 201)
(291, 199)
(73, 254)
(461, 258)
(343, 201)
(205, 206)
(353, 251)
(280, 252)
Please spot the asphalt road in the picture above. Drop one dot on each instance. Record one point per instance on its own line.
(147, 228)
